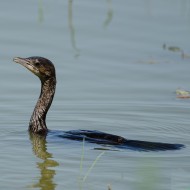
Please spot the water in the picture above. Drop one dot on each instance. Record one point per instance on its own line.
(115, 74)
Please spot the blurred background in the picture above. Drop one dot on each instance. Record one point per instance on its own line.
(118, 64)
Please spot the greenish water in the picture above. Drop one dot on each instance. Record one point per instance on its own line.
(118, 65)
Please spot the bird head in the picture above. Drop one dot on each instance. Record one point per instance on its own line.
(41, 67)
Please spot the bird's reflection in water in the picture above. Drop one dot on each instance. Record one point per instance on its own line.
(46, 165)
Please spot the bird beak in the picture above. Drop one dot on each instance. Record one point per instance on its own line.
(26, 62)
(23, 61)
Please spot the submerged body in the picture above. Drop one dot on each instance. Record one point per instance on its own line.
(45, 70)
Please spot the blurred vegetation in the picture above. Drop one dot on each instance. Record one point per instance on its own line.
(176, 49)
(40, 11)
(72, 28)
(83, 177)
(109, 13)
(182, 93)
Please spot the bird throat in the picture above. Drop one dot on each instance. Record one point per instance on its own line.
(38, 119)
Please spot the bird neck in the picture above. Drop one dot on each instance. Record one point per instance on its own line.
(38, 119)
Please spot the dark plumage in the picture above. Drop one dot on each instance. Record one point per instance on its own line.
(45, 70)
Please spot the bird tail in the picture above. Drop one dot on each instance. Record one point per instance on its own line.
(149, 146)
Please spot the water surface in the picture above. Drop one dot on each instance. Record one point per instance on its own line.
(116, 72)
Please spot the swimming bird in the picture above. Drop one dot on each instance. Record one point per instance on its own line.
(45, 70)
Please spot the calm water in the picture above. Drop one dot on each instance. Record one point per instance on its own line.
(118, 66)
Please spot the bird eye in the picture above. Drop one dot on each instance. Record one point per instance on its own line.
(37, 64)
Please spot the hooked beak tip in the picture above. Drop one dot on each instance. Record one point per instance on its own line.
(22, 61)
(16, 59)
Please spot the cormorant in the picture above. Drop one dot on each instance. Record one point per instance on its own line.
(45, 70)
